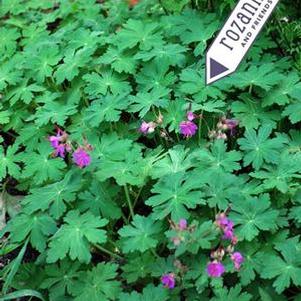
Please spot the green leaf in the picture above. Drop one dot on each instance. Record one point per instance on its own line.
(99, 284)
(171, 54)
(120, 159)
(178, 159)
(107, 81)
(293, 111)
(150, 293)
(38, 227)
(193, 27)
(221, 189)
(155, 75)
(289, 87)
(218, 159)
(231, 294)
(107, 108)
(193, 83)
(61, 278)
(141, 235)
(8, 74)
(280, 176)
(144, 101)
(99, 200)
(264, 76)
(251, 114)
(174, 194)
(13, 268)
(22, 293)
(53, 196)
(75, 235)
(8, 160)
(8, 45)
(42, 62)
(73, 61)
(54, 112)
(137, 32)
(259, 148)
(174, 5)
(254, 215)
(284, 269)
(119, 61)
(40, 167)
(138, 267)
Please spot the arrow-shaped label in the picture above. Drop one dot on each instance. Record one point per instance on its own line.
(236, 37)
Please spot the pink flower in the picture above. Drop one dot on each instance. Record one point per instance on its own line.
(147, 127)
(228, 234)
(182, 224)
(215, 269)
(81, 158)
(168, 280)
(54, 141)
(222, 220)
(144, 127)
(226, 225)
(190, 116)
(58, 143)
(237, 259)
(230, 124)
(60, 150)
(188, 128)
(176, 241)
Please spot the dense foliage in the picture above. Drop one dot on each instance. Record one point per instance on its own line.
(124, 177)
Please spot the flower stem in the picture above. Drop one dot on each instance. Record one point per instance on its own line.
(104, 250)
(200, 127)
(250, 89)
(127, 195)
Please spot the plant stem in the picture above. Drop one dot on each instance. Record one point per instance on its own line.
(127, 195)
(200, 127)
(250, 89)
(154, 253)
(104, 250)
(137, 197)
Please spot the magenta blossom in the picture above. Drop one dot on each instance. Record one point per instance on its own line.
(144, 127)
(182, 224)
(147, 127)
(58, 143)
(188, 128)
(237, 259)
(231, 125)
(190, 116)
(168, 280)
(54, 141)
(60, 150)
(215, 269)
(226, 225)
(81, 158)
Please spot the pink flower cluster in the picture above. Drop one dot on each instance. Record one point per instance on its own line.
(180, 228)
(223, 126)
(226, 225)
(188, 128)
(168, 280)
(147, 127)
(215, 268)
(62, 145)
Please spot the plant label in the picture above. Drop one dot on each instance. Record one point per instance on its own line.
(236, 37)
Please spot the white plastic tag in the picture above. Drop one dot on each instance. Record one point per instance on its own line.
(236, 37)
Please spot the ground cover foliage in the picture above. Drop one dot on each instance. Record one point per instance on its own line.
(124, 177)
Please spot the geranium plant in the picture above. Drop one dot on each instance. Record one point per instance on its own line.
(124, 177)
